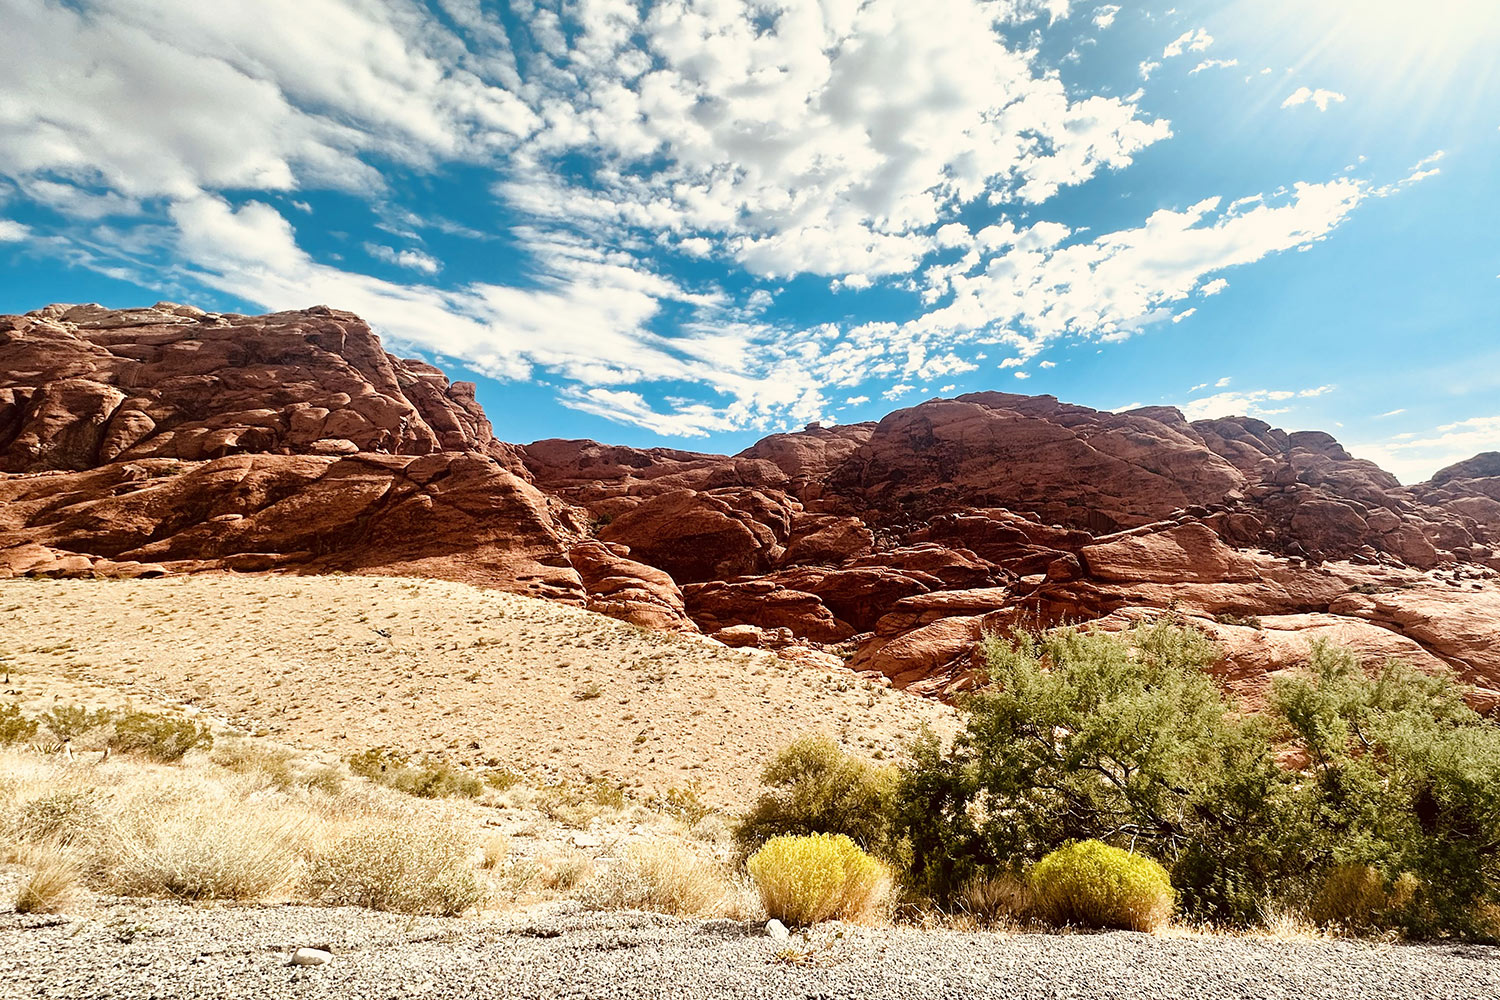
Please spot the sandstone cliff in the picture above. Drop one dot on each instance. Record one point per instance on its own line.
(169, 440)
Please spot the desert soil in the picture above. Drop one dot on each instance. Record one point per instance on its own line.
(174, 952)
(345, 663)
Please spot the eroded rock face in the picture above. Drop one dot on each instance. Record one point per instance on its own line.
(163, 440)
(168, 439)
(88, 386)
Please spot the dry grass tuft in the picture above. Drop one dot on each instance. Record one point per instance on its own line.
(53, 884)
(207, 848)
(664, 877)
(398, 865)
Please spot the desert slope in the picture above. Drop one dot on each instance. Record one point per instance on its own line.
(479, 676)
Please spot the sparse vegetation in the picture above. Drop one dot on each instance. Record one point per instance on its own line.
(51, 884)
(160, 737)
(426, 778)
(804, 880)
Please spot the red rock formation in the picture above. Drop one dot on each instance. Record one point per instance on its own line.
(139, 442)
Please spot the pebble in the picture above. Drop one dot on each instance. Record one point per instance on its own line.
(776, 930)
(311, 956)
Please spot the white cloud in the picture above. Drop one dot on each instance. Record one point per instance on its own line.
(1196, 40)
(856, 400)
(1147, 67)
(1390, 413)
(416, 260)
(1415, 457)
(1246, 404)
(1112, 286)
(839, 139)
(1221, 383)
(1023, 375)
(1184, 314)
(1048, 364)
(1318, 98)
(13, 232)
(1212, 64)
(1105, 16)
(897, 391)
(1213, 287)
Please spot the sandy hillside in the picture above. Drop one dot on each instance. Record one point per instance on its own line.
(347, 663)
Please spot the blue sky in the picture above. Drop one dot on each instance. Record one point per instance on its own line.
(694, 223)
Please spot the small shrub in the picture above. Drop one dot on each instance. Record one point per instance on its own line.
(398, 866)
(662, 877)
(246, 757)
(68, 722)
(567, 871)
(805, 880)
(15, 727)
(495, 850)
(815, 787)
(687, 803)
(62, 817)
(1094, 885)
(197, 850)
(1358, 898)
(578, 805)
(426, 779)
(161, 737)
(51, 885)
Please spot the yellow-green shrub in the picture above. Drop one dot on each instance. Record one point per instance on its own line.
(1095, 885)
(822, 876)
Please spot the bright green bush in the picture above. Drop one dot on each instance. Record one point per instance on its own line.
(815, 787)
(1094, 885)
(1091, 735)
(809, 879)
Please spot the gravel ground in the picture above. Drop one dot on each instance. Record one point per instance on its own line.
(127, 951)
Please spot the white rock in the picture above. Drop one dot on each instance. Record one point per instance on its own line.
(311, 956)
(777, 931)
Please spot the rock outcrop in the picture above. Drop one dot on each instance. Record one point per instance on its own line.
(169, 440)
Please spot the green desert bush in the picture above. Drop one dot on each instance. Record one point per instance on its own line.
(803, 880)
(1401, 778)
(1359, 898)
(163, 738)
(815, 787)
(398, 865)
(1116, 737)
(1092, 884)
(14, 726)
(69, 722)
(426, 778)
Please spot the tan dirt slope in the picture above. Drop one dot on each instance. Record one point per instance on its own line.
(481, 677)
